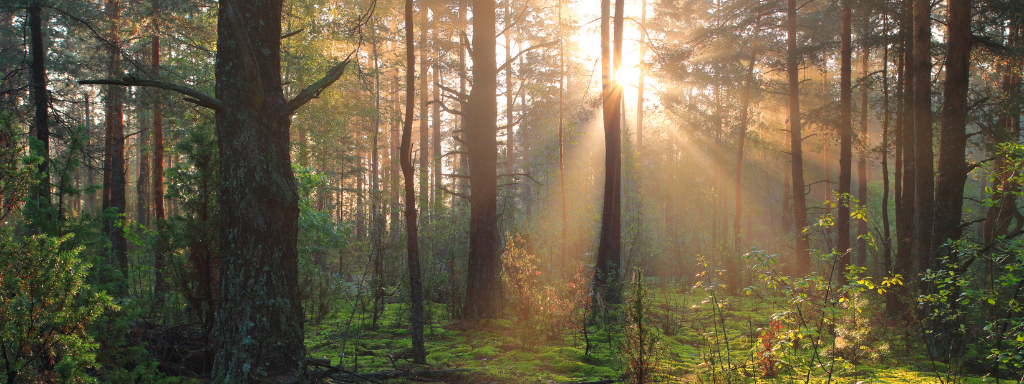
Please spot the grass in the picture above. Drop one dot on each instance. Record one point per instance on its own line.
(868, 349)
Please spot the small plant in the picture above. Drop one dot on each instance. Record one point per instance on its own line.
(767, 347)
(641, 342)
(45, 310)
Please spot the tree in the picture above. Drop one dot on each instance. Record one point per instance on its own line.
(259, 323)
(925, 174)
(606, 276)
(419, 354)
(483, 282)
(803, 258)
(845, 145)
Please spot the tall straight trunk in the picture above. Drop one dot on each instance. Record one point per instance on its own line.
(463, 159)
(419, 354)
(160, 251)
(561, 146)
(740, 142)
(862, 165)
(953, 167)
(606, 277)
(925, 177)
(436, 196)
(40, 100)
(803, 257)
(510, 97)
(424, 180)
(394, 169)
(115, 141)
(142, 183)
(845, 144)
(886, 235)
(905, 213)
(377, 217)
(483, 283)
(640, 91)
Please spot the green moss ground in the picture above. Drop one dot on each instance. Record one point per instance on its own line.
(693, 341)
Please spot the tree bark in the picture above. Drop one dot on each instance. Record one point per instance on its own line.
(925, 174)
(606, 277)
(158, 176)
(419, 354)
(953, 141)
(905, 213)
(845, 145)
(740, 143)
(41, 101)
(803, 257)
(424, 178)
(483, 283)
(116, 182)
(862, 165)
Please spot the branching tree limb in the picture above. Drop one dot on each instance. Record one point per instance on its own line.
(192, 95)
(516, 57)
(313, 90)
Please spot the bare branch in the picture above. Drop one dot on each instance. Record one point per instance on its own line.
(313, 90)
(193, 96)
(453, 193)
(516, 57)
(290, 34)
(459, 95)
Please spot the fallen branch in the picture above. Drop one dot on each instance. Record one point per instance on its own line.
(440, 374)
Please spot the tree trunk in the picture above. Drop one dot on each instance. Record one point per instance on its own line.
(419, 354)
(905, 213)
(803, 257)
(483, 283)
(925, 174)
(845, 145)
(953, 141)
(740, 142)
(41, 101)
(606, 277)
(115, 141)
(862, 165)
(424, 179)
(259, 325)
(886, 235)
(161, 248)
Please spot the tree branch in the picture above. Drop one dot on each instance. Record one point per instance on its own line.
(192, 95)
(313, 90)
(453, 193)
(459, 95)
(516, 57)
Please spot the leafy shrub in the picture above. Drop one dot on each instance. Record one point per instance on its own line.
(45, 310)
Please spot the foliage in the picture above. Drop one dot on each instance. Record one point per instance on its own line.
(641, 344)
(46, 309)
(321, 288)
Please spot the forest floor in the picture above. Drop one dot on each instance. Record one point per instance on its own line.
(860, 347)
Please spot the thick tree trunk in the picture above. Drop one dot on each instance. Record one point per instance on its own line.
(419, 354)
(803, 257)
(953, 141)
(115, 179)
(483, 283)
(259, 324)
(606, 276)
(905, 213)
(925, 174)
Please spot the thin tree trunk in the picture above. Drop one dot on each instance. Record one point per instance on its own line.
(419, 354)
(925, 174)
(886, 235)
(862, 165)
(158, 176)
(905, 213)
(740, 142)
(41, 101)
(845, 144)
(424, 179)
(803, 257)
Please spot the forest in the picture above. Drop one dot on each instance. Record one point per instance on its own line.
(511, 191)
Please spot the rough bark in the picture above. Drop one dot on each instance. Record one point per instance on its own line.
(803, 257)
(905, 212)
(115, 180)
(483, 283)
(419, 354)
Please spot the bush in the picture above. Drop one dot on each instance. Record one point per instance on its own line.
(641, 343)
(45, 310)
